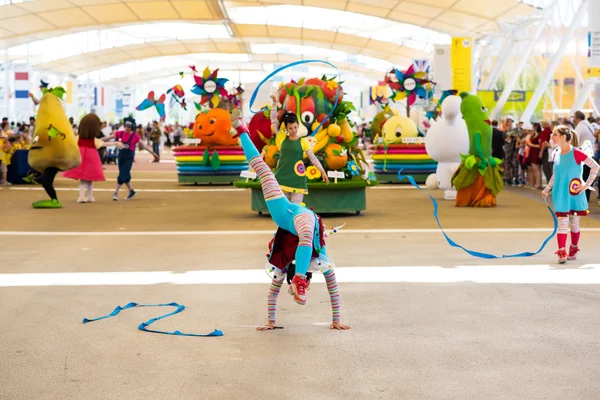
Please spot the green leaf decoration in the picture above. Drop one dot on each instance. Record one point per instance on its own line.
(198, 107)
(205, 157)
(336, 153)
(309, 90)
(58, 91)
(215, 161)
(53, 132)
(470, 161)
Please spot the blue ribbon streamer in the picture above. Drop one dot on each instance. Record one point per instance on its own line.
(477, 253)
(144, 325)
(293, 64)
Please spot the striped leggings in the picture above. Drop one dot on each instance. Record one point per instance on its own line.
(332, 288)
(304, 222)
(564, 223)
(295, 198)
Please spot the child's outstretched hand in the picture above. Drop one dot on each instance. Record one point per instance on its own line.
(338, 326)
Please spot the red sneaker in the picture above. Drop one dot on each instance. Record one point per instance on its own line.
(573, 253)
(562, 255)
(298, 289)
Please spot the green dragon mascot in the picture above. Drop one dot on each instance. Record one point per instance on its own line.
(478, 179)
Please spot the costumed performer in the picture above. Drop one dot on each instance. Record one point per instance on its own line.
(297, 220)
(130, 139)
(478, 179)
(568, 189)
(53, 147)
(90, 169)
(290, 172)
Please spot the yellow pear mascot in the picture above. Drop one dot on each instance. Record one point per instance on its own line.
(54, 146)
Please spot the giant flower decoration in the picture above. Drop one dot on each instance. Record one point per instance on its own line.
(353, 168)
(313, 172)
(209, 86)
(409, 84)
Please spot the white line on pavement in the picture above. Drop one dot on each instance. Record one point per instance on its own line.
(507, 274)
(271, 232)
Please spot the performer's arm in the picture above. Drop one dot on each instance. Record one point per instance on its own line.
(273, 115)
(334, 297)
(581, 157)
(548, 187)
(315, 161)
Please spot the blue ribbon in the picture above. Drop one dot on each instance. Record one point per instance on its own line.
(293, 64)
(477, 253)
(144, 325)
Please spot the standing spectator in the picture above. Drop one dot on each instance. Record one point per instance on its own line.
(510, 152)
(177, 132)
(102, 150)
(534, 173)
(545, 150)
(155, 136)
(585, 132)
(498, 140)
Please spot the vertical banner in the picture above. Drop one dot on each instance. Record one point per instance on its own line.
(23, 106)
(461, 62)
(594, 39)
(21, 85)
(442, 71)
(127, 104)
(69, 94)
(119, 103)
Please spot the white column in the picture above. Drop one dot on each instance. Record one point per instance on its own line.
(6, 82)
(556, 58)
(524, 57)
(500, 63)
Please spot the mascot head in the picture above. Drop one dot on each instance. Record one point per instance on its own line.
(212, 128)
(398, 127)
(451, 108)
(475, 113)
(53, 143)
(311, 100)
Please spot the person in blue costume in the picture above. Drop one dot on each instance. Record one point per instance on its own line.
(568, 189)
(293, 218)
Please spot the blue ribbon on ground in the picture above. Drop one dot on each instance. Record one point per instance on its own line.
(293, 64)
(144, 325)
(477, 253)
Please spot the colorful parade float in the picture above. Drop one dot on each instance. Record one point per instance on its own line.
(320, 107)
(398, 143)
(211, 155)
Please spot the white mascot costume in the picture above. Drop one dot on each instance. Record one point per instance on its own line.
(446, 140)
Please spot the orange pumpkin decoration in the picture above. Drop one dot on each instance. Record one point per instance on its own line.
(334, 158)
(270, 151)
(213, 127)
